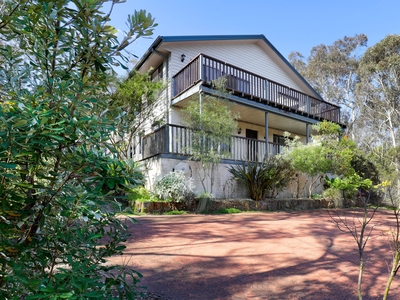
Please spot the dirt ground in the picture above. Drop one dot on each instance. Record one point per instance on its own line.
(272, 255)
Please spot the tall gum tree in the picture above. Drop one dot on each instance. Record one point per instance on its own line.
(380, 86)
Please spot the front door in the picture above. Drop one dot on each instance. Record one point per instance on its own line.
(252, 137)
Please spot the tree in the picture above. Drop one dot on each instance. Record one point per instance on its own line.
(361, 228)
(212, 123)
(136, 96)
(380, 85)
(58, 169)
(332, 71)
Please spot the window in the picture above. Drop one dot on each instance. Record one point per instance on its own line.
(279, 143)
(157, 74)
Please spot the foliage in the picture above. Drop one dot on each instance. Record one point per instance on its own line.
(365, 168)
(353, 182)
(58, 171)
(316, 196)
(212, 123)
(266, 178)
(173, 187)
(140, 194)
(230, 210)
(205, 200)
(379, 85)
(351, 185)
(119, 175)
(327, 153)
(136, 96)
(335, 196)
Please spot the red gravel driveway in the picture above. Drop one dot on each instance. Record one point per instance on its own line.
(272, 255)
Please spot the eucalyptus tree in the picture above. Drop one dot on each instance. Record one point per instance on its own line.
(57, 166)
(332, 72)
(380, 86)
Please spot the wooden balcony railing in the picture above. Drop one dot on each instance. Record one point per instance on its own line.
(254, 87)
(174, 139)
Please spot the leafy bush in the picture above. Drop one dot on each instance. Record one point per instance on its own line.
(140, 194)
(351, 184)
(263, 179)
(114, 176)
(335, 196)
(365, 168)
(174, 187)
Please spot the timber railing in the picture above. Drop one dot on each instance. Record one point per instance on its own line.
(178, 140)
(246, 84)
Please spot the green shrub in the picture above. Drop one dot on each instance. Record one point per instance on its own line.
(231, 210)
(264, 179)
(204, 202)
(174, 187)
(140, 194)
(365, 168)
(316, 196)
(114, 175)
(335, 196)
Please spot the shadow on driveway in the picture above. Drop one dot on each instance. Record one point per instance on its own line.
(272, 255)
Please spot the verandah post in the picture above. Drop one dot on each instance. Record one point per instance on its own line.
(266, 136)
(201, 68)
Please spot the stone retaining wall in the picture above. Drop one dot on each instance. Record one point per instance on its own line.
(242, 204)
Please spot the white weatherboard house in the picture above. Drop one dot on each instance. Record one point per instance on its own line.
(270, 96)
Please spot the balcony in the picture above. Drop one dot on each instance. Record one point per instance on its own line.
(176, 140)
(245, 84)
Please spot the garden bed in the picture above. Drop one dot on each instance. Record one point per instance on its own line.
(240, 204)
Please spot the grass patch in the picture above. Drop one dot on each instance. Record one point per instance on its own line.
(384, 207)
(175, 212)
(222, 211)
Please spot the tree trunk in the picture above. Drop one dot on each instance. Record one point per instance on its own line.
(360, 274)
(393, 272)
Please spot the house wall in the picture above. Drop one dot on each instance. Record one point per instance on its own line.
(225, 187)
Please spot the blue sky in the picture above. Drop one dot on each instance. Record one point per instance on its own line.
(290, 25)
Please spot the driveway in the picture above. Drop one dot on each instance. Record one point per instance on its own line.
(271, 255)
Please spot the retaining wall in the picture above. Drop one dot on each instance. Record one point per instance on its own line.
(242, 204)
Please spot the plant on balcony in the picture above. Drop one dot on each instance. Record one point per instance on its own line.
(212, 123)
(263, 179)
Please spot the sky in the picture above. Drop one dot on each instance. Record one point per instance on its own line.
(290, 25)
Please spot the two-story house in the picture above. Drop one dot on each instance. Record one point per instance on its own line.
(270, 96)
